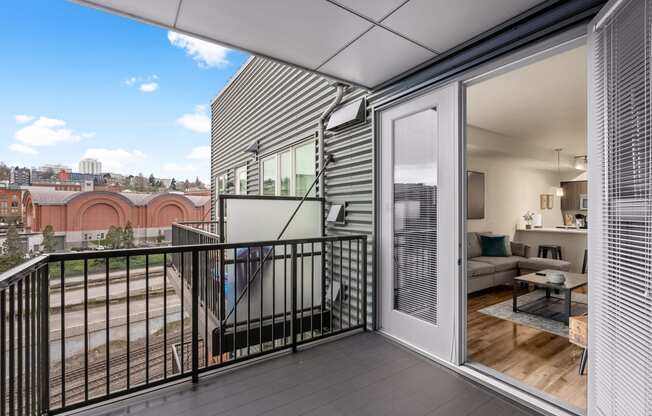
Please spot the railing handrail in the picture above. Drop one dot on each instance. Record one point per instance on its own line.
(9, 276)
(189, 227)
(81, 255)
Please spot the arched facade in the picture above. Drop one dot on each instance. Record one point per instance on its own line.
(84, 216)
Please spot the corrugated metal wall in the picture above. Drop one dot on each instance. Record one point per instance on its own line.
(279, 106)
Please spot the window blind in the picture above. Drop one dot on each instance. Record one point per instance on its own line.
(415, 216)
(620, 196)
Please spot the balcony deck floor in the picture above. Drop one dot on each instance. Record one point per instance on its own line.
(363, 374)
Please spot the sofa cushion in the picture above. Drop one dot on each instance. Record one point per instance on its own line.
(501, 263)
(538, 263)
(477, 268)
(493, 245)
(473, 247)
(519, 249)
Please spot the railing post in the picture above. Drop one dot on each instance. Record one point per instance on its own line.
(222, 317)
(195, 315)
(364, 282)
(293, 283)
(44, 353)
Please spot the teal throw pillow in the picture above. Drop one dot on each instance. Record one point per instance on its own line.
(493, 245)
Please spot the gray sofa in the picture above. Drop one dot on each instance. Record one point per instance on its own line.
(484, 272)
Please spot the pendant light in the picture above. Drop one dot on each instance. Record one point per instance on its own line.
(581, 162)
(559, 191)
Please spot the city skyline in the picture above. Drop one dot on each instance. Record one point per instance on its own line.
(139, 102)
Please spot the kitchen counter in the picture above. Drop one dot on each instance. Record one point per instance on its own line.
(572, 242)
(554, 230)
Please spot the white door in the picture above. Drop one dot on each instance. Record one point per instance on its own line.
(419, 210)
(620, 208)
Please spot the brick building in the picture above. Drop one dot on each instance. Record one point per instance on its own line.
(79, 217)
(10, 205)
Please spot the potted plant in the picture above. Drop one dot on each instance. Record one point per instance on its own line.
(529, 219)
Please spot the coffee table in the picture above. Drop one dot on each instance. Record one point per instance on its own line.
(538, 307)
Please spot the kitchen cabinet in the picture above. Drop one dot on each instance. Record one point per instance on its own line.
(572, 191)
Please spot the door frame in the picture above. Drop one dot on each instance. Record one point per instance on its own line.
(538, 48)
(379, 301)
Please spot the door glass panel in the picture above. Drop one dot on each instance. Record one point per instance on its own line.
(415, 215)
(286, 173)
(269, 176)
(305, 169)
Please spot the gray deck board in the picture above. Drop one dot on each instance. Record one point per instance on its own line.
(364, 374)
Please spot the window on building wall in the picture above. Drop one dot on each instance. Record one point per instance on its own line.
(285, 173)
(241, 181)
(304, 168)
(291, 172)
(269, 175)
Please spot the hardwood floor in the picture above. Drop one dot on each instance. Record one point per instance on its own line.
(542, 360)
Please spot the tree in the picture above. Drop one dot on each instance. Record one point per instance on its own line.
(49, 243)
(12, 252)
(173, 184)
(186, 185)
(140, 182)
(152, 180)
(4, 172)
(128, 236)
(114, 237)
(198, 183)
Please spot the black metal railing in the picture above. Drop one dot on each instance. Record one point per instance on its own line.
(23, 339)
(81, 328)
(212, 227)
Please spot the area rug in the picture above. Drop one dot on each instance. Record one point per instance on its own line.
(503, 310)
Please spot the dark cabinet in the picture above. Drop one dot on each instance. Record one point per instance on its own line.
(572, 191)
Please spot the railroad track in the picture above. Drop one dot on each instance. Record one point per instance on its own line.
(75, 378)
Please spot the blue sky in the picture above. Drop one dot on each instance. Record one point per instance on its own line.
(77, 82)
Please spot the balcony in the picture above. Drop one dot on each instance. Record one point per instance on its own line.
(84, 329)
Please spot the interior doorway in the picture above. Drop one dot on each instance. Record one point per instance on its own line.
(527, 224)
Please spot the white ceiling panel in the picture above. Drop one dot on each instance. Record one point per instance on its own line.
(162, 12)
(375, 57)
(304, 32)
(373, 9)
(444, 24)
(337, 38)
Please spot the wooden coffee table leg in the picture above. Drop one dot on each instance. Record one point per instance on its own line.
(515, 296)
(567, 305)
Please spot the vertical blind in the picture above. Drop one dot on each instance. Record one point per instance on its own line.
(620, 304)
(415, 215)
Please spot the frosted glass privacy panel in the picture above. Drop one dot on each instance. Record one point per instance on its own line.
(253, 219)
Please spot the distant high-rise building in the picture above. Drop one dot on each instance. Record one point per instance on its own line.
(92, 166)
(20, 176)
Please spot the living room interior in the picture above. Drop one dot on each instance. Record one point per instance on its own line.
(527, 224)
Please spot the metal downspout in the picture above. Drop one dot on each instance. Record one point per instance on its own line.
(339, 93)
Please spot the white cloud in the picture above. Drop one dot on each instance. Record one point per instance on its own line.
(21, 148)
(116, 160)
(47, 132)
(148, 87)
(199, 122)
(206, 54)
(23, 118)
(200, 153)
(145, 83)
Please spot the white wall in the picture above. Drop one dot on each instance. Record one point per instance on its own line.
(511, 189)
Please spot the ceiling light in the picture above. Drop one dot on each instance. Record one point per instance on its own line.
(581, 162)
